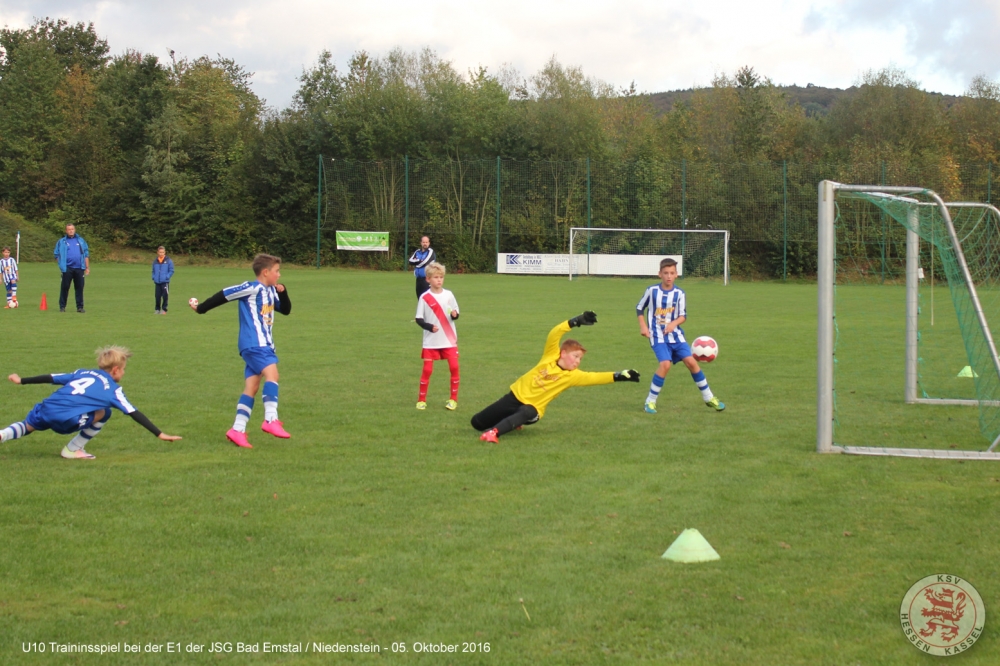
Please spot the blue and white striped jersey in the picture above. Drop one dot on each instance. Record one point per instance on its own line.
(82, 392)
(8, 267)
(257, 305)
(662, 307)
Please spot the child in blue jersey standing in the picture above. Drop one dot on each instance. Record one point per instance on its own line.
(83, 404)
(661, 311)
(258, 300)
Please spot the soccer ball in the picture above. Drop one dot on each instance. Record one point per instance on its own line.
(704, 349)
(13, 303)
(193, 302)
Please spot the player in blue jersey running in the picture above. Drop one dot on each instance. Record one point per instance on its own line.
(258, 300)
(83, 404)
(661, 311)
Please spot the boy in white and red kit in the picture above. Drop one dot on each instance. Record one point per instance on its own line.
(437, 311)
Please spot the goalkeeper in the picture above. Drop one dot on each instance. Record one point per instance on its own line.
(555, 372)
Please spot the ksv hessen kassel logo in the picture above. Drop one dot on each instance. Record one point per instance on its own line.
(942, 615)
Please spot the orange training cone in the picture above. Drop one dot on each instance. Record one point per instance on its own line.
(44, 305)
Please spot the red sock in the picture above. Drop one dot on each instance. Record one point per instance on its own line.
(453, 367)
(425, 379)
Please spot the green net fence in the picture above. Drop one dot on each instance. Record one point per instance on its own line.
(475, 208)
(955, 356)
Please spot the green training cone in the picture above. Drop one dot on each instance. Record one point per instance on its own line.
(691, 546)
(967, 371)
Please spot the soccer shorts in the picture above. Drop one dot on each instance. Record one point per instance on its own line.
(439, 354)
(675, 352)
(42, 418)
(257, 358)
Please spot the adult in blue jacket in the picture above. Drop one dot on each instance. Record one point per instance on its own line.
(163, 270)
(420, 260)
(73, 257)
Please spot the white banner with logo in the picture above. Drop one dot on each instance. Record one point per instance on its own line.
(646, 265)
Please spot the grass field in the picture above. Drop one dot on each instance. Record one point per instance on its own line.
(379, 524)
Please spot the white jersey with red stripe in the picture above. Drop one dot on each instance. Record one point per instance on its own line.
(425, 310)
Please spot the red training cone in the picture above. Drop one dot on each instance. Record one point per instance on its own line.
(44, 305)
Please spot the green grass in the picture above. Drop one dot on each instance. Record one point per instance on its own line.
(379, 523)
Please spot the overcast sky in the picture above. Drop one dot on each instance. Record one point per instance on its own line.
(659, 44)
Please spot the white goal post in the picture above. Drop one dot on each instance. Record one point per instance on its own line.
(637, 252)
(826, 332)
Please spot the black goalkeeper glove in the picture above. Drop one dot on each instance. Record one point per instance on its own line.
(588, 318)
(627, 376)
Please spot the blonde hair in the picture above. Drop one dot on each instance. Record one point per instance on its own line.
(112, 356)
(434, 268)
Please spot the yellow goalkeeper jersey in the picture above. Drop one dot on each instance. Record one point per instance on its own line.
(540, 385)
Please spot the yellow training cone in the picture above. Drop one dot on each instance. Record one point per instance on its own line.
(691, 546)
(967, 371)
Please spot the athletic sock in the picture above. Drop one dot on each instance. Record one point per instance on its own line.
(425, 380)
(13, 431)
(243, 410)
(453, 367)
(83, 437)
(654, 388)
(270, 401)
(702, 384)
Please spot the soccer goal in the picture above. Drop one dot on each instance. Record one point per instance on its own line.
(637, 252)
(863, 232)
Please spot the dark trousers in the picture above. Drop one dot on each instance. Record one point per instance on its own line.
(162, 294)
(422, 286)
(74, 275)
(506, 414)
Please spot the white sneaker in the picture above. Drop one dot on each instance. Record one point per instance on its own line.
(79, 454)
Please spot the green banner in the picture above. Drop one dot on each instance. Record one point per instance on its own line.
(366, 241)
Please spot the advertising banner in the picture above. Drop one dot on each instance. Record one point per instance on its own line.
(365, 241)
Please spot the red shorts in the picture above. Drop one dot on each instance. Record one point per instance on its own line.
(439, 354)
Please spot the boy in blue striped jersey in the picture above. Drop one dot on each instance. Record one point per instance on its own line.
(661, 311)
(8, 267)
(258, 300)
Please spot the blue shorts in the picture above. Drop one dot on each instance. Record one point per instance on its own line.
(675, 352)
(39, 418)
(257, 358)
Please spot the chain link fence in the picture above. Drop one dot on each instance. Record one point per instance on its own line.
(473, 209)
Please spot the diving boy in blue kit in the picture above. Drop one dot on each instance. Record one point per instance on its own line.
(83, 404)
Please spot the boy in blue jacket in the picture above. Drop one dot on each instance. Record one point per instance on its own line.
(163, 270)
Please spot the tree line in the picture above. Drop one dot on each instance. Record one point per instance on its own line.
(144, 151)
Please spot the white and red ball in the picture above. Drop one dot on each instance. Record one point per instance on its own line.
(705, 349)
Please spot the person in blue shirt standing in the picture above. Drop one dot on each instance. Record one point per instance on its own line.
(420, 260)
(73, 257)
(163, 270)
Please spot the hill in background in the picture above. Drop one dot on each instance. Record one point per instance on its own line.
(816, 100)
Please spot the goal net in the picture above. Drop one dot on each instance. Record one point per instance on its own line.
(900, 265)
(637, 252)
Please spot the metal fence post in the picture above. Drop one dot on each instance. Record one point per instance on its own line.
(319, 206)
(683, 204)
(784, 194)
(882, 215)
(498, 208)
(989, 181)
(588, 207)
(406, 209)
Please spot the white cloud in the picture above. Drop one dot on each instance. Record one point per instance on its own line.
(661, 45)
